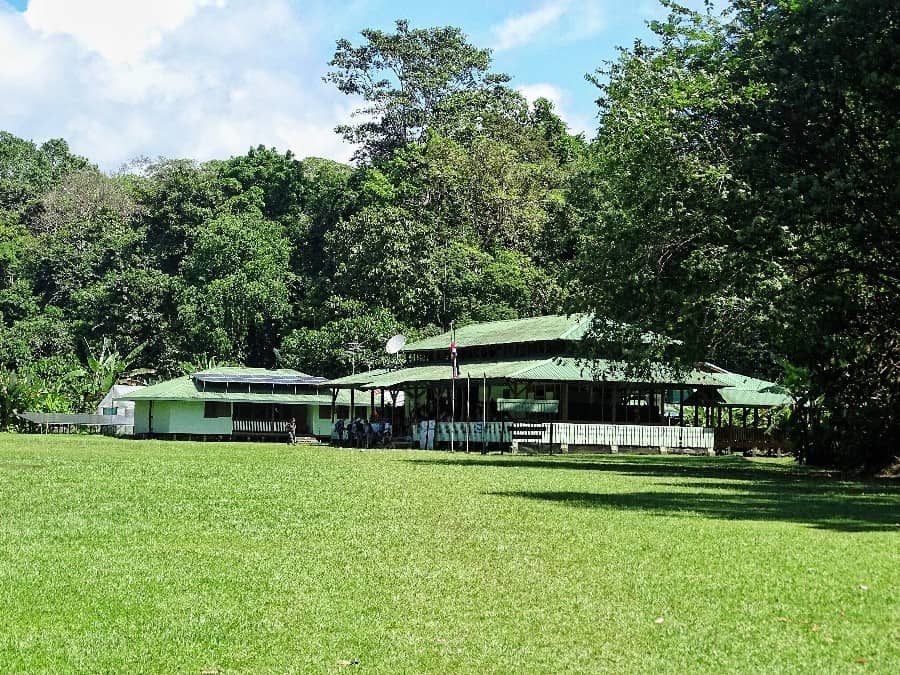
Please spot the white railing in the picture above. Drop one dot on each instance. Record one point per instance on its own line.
(634, 435)
(570, 433)
(478, 432)
(260, 426)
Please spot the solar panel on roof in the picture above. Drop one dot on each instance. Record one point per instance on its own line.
(258, 378)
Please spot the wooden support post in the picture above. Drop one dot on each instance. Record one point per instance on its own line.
(484, 418)
(393, 409)
(500, 415)
(437, 405)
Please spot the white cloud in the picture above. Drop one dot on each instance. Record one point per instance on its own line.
(561, 106)
(518, 30)
(569, 21)
(551, 92)
(120, 30)
(191, 78)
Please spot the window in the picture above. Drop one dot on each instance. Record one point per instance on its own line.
(216, 409)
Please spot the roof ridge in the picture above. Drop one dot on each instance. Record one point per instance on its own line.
(583, 317)
(532, 364)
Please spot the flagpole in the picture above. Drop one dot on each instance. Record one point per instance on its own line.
(468, 408)
(484, 419)
(452, 409)
(452, 382)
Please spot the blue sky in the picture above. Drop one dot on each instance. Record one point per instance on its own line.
(210, 78)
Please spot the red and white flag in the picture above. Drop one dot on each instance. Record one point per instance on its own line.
(454, 364)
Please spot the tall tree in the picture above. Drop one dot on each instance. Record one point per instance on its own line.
(743, 196)
(27, 171)
(235, 300)
(412, 81)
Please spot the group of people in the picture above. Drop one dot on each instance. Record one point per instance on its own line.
(362, 433)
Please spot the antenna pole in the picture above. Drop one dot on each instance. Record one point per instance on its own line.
(484, 418)
(468, 409)
(452, 409)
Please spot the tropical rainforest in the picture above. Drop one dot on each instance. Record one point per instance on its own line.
(740, 194)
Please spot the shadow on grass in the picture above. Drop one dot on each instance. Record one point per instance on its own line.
(726, 488)
(828, 511)
(723, 468)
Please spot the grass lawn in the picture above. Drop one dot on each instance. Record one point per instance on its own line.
(145, 556)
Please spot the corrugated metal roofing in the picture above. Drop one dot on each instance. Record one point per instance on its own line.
(438, 372)
(184, 389)
(256, 376)
(577, 370)
(512, 331)
(746, 382)
(357, 379)
(535, 370)
(740, 398)
(750, 392)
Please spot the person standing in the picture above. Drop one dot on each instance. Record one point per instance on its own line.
(292, 431)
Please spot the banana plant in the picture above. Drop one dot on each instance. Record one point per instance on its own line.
(108, 366)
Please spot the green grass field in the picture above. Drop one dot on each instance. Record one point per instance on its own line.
(127, 556)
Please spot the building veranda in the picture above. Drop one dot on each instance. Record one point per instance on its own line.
(521, 382)
(235, 403)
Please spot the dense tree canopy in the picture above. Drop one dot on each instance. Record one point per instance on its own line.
(415, 81)
(741, 195)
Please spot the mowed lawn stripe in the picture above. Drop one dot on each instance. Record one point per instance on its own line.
(124, 555)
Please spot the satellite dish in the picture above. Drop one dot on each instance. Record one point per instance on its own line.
(395, 344)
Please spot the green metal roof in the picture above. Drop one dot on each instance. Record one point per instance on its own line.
(184, 389)
(534, 370)
(534, 329)
(577, 370)
(743, 391)
(740, 398)
(433, 372)
(357, 379)
(748, 383)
